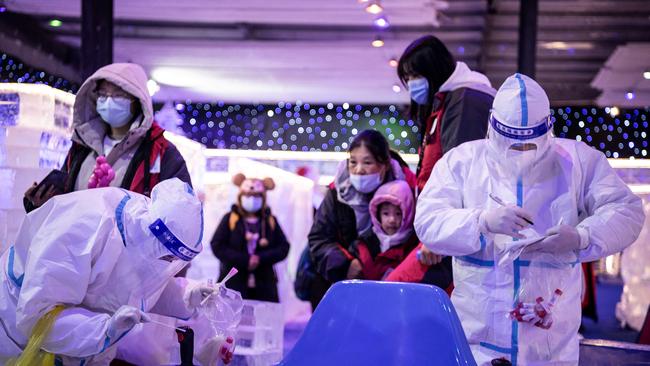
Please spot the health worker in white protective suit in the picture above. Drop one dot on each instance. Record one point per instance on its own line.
(98, 261)
(522, 183)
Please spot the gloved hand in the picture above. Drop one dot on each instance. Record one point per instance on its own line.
(195, 295)
(507, 220)
(427, 257)
(215, 349)
(125, 318)
(103, 174)
(561, 238)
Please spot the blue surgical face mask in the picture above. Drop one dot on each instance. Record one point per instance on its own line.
(419, 90)
(366, 183)
(252, 204)
(115, 111)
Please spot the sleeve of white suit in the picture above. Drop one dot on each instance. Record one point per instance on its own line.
(57, 272)
(441, 222)
(614, 215)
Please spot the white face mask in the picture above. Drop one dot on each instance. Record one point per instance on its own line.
(251, 203)
(365, 183)
(115, 111)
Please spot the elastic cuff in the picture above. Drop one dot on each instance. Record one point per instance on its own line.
(584, 237)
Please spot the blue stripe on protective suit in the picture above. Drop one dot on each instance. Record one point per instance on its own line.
(18, 281)
(119, 220)
(517, 263)
(198, 242)
(476, 261)
(524, 102)
(495, 348)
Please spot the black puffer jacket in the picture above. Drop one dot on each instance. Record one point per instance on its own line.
(333, 232)
(229, 245)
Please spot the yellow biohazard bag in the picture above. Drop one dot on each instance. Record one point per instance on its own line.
(33, 355)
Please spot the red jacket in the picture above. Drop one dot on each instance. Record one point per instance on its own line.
(458, 116)
(374, 264)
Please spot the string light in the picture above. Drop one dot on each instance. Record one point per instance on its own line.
(378, 42)
(646, 75)
(374, 8)
(614, 131)
(617, 133)
(310, 128)
(382, 22)
(13, 70)
(55, 23)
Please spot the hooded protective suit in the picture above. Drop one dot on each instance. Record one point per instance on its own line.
(94, 251)
(564, 181)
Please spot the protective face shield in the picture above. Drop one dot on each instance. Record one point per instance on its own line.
(520, 125)
(252, 203)
(419, 90)
(365, 183)
(161, 236)
(115, 111)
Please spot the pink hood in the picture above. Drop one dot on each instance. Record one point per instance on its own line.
(399, 194)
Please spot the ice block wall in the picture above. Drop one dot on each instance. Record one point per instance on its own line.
(634, 268)
(35, 129)
(194, 154)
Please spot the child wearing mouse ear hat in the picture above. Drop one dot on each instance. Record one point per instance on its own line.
(250, 239)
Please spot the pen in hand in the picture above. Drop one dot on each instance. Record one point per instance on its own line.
(500, 201)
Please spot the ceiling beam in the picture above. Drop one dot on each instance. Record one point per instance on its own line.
(582, 8)
(23, 37)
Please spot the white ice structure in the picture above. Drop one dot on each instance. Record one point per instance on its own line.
(635, 260)
(35, 129)
(260, 334)
(194, 155)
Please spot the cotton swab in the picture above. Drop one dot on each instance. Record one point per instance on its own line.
(149, 320)
(233, 271)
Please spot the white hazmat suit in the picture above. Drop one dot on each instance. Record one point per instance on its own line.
(569, 193)
(96, 252)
